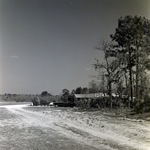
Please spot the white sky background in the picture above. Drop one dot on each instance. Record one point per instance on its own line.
(48, 44)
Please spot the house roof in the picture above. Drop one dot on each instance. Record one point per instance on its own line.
(93, 95)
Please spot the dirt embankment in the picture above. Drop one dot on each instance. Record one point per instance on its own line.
(92, 130)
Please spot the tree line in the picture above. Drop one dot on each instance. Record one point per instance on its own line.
(126, 61)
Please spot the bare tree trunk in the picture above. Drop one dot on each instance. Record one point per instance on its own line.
(109, 92)
(103, 84)
(130, 78)
(137, 75)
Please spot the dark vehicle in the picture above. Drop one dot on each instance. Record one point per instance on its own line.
(64, 104)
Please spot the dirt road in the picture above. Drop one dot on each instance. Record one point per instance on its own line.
(46, 128)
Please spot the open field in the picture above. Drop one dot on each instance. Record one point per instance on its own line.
(42, 128)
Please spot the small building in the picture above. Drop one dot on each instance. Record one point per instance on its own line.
(89, 96)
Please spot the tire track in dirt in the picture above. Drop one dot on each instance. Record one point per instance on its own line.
(42, 119)
(60, 122)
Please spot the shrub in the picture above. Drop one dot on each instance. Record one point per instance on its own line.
(35, 102)
(143, 107)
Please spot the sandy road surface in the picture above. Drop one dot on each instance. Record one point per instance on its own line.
(45, 128)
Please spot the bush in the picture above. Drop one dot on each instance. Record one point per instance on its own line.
(35, 102)
(44, 102)
(143, 107)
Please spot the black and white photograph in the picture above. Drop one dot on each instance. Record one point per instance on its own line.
(74, 74)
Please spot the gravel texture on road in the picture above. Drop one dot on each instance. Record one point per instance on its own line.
(43, 128)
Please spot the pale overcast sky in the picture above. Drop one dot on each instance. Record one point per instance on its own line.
(47, 45)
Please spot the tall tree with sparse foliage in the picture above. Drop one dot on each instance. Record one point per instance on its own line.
(109, 67)
(133, 48)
